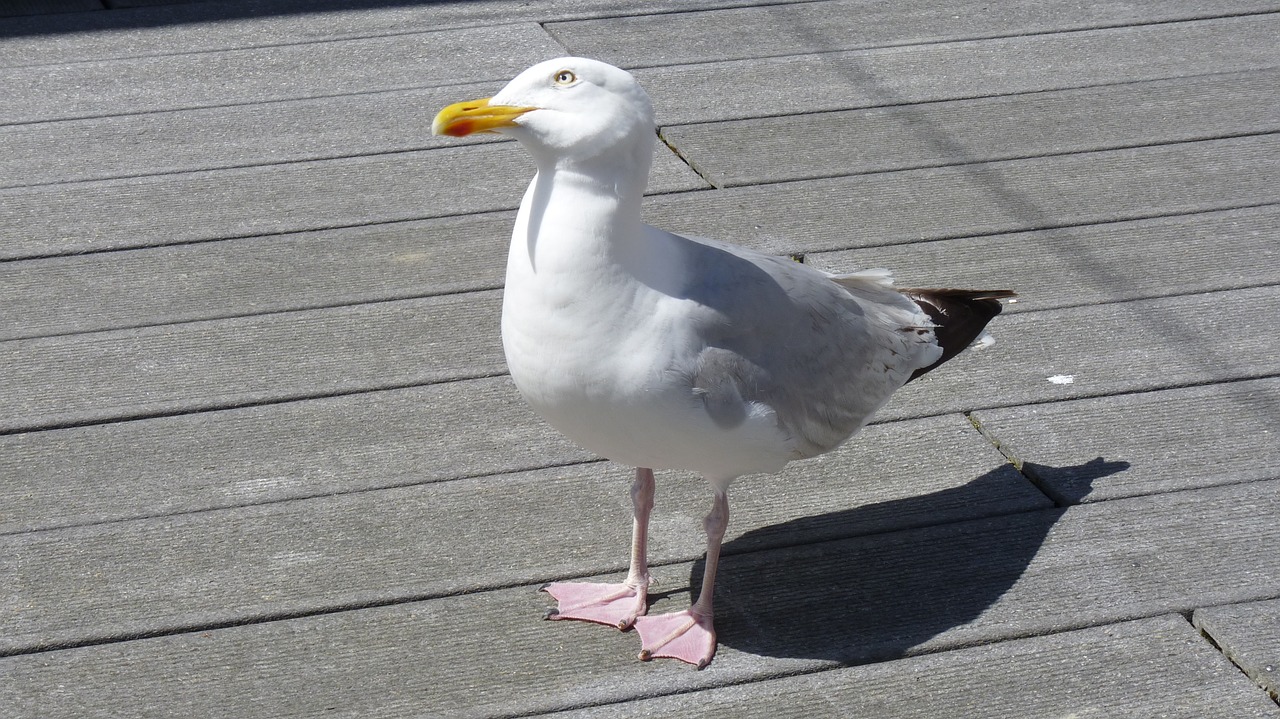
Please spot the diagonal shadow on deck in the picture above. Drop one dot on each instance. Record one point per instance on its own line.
(875, 598)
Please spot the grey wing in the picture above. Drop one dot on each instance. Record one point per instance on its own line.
(823, 352)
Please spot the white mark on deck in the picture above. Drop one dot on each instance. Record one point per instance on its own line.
(1063, 379)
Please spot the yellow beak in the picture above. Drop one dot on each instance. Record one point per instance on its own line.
(465, 118)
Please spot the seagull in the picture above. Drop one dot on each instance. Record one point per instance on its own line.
(660, 351)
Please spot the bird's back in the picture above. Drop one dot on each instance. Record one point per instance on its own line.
(823, 353)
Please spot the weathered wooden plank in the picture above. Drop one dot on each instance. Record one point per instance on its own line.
(224, 137)
(216, 204)
(781, 611)
(1153, 667)
(104, 376)
(276, 72)
(233, 24)
(1091, 264)
(799, 147)
(730, 34)
(320, 447)
(782, 148)
(206, 365)
(261, 133)
(252, 275)
(682, 94)
(761, 87)
(828, 214)
(1174, 439)
(125, 578)
(252, 455)
(1145, 668)
(984, 198)
(1249, 634)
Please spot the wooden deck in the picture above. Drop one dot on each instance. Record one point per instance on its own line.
(259, 456)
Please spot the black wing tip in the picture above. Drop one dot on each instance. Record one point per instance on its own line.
(959, 316)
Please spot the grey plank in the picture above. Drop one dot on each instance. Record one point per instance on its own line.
(965, 131)
(1249, 634)
(391, 121)
(1090, 264)
(225, 137)
(829, 214)
(682, 94)
(730, 34)
(252, 455)
(277, 72)
(210, 280)
(846, 80)
(984, 198)
(1174, 439)
(133, 577)
(1145, 668)
(1135, 669)
(232, 24)
(781, 611)
(206, 365)
(215, 204)
(104, 376)
(786, 148)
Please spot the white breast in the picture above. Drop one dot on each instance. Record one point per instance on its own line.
(597, 353)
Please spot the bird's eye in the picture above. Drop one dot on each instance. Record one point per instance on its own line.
(566, 77)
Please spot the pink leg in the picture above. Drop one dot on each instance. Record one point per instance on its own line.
(690, 635)
(614, 604)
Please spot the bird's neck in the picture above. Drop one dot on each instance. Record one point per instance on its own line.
(581, 212)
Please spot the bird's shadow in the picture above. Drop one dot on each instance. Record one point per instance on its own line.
(873, 598)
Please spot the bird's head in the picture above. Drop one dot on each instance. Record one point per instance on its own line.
(568, 108)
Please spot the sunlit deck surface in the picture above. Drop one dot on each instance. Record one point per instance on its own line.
(260, 457)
